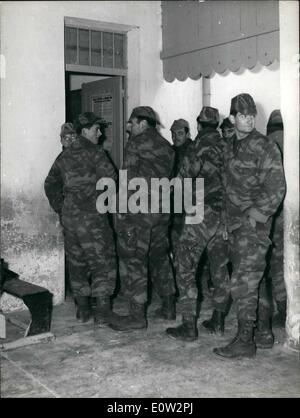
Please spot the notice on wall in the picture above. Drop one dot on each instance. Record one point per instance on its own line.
(102, 105)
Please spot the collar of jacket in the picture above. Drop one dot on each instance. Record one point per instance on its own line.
(209, 134)
(86, 143)
(183, 146)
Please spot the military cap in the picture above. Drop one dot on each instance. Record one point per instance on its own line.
(243, 103)
(179, 124)
(209, 115)
(67, 128)
(144, 112)
(275, 117)
(86, 120)
(226, 124)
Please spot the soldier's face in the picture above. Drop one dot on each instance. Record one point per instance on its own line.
(179, 137)
(67, 140)
(244, 124)
(227, 132)
(93, 134)
(136, 127)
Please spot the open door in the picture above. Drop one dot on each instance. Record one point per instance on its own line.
(105, 99)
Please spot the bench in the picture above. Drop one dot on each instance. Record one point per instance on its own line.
(37, 299)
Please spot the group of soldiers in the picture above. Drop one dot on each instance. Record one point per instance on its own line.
(244, 187)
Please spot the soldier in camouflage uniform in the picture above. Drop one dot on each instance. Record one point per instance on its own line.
(255, 187)
(143, 237)
(180, 136)
(71, 189)
(275, 133)
(227, 129)
(218, 259)
(203, 160)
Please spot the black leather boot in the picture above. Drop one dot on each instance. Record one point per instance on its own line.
(216, 324)
(135, 320)
(103, 313)
(187, 331)
(168, 308)
(242, 345)
(263, 335)
(83, 311)
(279, 319)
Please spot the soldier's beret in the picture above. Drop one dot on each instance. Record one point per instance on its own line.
(66, 128)
(243, 103)
(144, 112)
(209, 115)
(86, 120)
(275, 118)
(179, 124)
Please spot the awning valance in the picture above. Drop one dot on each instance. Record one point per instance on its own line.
(202, 37)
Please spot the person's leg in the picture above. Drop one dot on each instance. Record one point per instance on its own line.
(77, 268)
(217, 251)
(133, 248)
(96, 239)
(192, 243)
(248, 248)
(161, 271)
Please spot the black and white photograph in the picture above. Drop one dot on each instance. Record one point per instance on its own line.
(150, 202)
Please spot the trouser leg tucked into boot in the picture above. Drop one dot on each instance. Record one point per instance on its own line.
(279, 319)
(216, 324)
(135, 320)
(168, 308)
(242, 345)
(103, 313)
(263, 335)
(83, 309)
(187, 331)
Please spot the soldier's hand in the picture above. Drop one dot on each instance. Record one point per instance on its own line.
(252, 221)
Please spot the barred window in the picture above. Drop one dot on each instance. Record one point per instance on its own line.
(95, 48)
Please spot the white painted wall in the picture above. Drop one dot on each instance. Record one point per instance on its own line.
(263, 83)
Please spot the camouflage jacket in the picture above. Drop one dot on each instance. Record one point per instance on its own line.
(148, 156)
(179, 155)
(204, 159)
(277, 136)
(71, 182)
(254, 179)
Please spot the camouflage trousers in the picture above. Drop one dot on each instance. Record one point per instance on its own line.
(248, 247)
(192, 242)
(218, 257)
(177, 223)
(276, 259)
(143, 250)
(90, 251)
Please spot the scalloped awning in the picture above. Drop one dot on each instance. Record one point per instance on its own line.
(200, 37)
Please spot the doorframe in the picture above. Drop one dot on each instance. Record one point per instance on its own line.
(110, 72)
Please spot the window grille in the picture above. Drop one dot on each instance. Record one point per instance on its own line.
(93, 48)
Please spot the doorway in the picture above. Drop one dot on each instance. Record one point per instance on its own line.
(103, 95)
